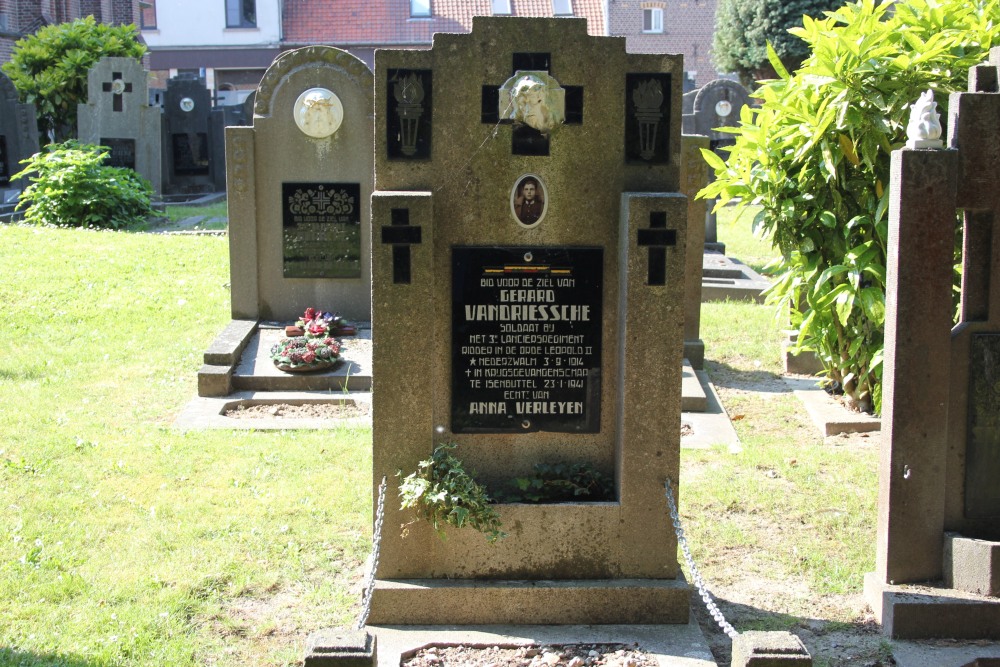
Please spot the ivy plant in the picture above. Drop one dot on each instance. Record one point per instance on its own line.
(72, 187)
(442, 492)
(560, 482)
(815, 157)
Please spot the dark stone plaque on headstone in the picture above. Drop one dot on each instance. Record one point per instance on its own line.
(982, 468)
(321, 230)
(4, 162)
(122, 152)
(408, 118)
(526, 339)
(647, 118)
(190, 153)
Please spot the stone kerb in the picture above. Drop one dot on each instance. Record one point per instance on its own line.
(443, 203)
(299, 193)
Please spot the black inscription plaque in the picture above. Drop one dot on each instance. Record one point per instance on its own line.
(982, 458)
(121, 152)
(190, 153)
(321, 230)
(4, 162)
(526, 339)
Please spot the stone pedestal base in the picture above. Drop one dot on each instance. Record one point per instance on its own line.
(769, 649)
(483, 602)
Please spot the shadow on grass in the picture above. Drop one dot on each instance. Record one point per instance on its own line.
(15, 658)
(729, 377)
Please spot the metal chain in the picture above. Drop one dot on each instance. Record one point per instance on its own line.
(706, 597)
(366, 600)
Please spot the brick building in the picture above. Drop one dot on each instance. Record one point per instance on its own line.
(677, 26)
(23, 17)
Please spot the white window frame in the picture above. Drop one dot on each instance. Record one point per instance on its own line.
(234, 15)
(655, 16)
(562, 7)
(420, 9)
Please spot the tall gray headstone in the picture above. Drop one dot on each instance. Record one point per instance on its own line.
(191, 153)
(299, 186)
(118, 115)
(939, 496)
(528, 304)
(18, 139)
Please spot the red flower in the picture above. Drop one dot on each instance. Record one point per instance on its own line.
(309, 357)
(310, 314)
(317, 329)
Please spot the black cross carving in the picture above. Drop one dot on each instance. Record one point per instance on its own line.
(657, 238)
(401, 235)
(526, 140)
(107, 86)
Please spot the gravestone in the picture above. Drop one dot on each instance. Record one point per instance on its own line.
(299, 185)
(18, 140)
(528, 304)
(118, 115)
(193, 145)
(716, 104)
(939, 499)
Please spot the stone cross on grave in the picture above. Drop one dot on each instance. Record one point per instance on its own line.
(534, 101)
(117, 87)
(656, 239)
(400, 234)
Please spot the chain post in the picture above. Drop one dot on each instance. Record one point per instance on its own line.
(366, 600)
(706, 597)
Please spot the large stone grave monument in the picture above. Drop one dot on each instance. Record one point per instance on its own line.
(528, 304)
(299, 184)
(18, 140)
(938, 542)
(193, 146)
(118, 115)
(299, 181)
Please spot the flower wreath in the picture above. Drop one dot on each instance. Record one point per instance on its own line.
(305, 354)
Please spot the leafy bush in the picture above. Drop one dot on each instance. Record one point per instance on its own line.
(72, 187)
(561, 482)
(815, 156)
(49, 68)
(442, 492)
(744, 28)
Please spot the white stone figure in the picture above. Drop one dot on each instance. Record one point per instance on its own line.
(534, 99)
(318, 113)
(924, 128)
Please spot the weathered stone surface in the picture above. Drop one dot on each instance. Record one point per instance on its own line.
(333, 648)
(215, 380)
(769, 649)
(229, 345)
(972, 565)
(694, 176)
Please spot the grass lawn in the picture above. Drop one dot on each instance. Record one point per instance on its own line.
(126, 542)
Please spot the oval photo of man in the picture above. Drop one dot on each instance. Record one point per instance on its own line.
(528, 200)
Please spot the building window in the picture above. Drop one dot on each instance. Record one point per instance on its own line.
(147, 14)
(420, 8)
(241, 13)
(652, 20)
(562, 7)
(501, 7)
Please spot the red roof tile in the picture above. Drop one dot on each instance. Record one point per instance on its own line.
(386, 22)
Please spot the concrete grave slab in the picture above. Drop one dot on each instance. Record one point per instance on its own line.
(727, 278)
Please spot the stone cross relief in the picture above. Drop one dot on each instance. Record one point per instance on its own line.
(117, 87)
(656, 239)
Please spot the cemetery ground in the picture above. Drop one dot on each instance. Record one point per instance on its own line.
(124, 541)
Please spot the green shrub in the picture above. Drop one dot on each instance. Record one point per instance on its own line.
(815, 156)
(72, 187)
(49, 68)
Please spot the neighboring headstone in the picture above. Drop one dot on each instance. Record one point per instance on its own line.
(528, 304)
(941, 393)
(694, 176)
(117, 115)
(299, 184)
(716, 104)
(193, 146)
(18, 140)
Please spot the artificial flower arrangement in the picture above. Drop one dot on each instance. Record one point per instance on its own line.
(309, 344)
(318, 324)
